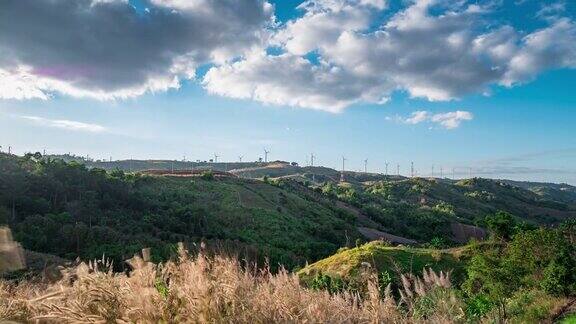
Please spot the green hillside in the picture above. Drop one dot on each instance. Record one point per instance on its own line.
(348, 263)
(68, 210)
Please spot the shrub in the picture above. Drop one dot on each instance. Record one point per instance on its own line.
(207, 175)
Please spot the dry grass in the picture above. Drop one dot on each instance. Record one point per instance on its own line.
(216, 290)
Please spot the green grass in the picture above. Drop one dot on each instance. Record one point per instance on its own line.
(346, 264)
(571, 319)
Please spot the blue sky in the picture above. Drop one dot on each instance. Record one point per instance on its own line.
(513, 120)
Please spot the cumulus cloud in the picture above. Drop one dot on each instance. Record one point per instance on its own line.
(448, 120)
(70, 125)
(428, 49)
(294, 82)
(335, 54)
(107, 49)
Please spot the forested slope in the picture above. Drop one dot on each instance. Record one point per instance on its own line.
(67, 210)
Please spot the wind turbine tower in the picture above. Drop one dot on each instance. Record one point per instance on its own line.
(398, 169)
(412, 169)
(240, 158)
(343, 168)
(441, 173)
(216, 156)
(312, 157)
(266, 155)
(366, 166)
(386, 164)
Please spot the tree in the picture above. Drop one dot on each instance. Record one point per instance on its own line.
(546, 258)
(491, 278)
(501, 225)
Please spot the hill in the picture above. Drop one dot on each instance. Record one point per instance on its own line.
(73, 209)
(69, 210)
(347, 264)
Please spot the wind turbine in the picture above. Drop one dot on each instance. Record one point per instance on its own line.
(412, 169)
(240, 158)
(366, 166)
(386, 164)
(216, 156)
(266, 155)
(343, 168)
(312, 157)
(398, 169)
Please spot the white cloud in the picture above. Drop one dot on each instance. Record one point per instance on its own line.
(451, 120)
(418, 117)
(106, 49)
(294, 82)
(548, 48)
(448, 120)
(20, 84)
(438, 56)
(336, 54)
(70, 125)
